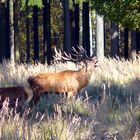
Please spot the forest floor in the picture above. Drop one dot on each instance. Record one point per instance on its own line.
(108, 108)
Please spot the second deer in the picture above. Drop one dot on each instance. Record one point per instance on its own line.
(68, 81)
(23, 94)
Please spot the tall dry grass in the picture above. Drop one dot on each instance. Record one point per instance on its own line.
(107, 109)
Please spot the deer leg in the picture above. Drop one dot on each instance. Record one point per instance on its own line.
(70, 94)
(29, 95)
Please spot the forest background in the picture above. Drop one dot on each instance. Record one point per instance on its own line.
(30, 29)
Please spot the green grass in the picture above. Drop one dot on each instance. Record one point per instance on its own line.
(108, 108)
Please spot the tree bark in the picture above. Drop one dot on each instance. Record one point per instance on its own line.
(138, 41)
(100, 36)
(2, 31)
(134, 45)
(86, 32)
(114, 40)
(67, 27)
(76, 31)
(47, 32)
(12, 45)
(16, 31)
(27, 34)
(92, 47)
(126, 43)
(36, 39)
(7, 49)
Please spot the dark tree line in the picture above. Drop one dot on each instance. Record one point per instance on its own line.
(130, 39)
(71, 32)
(47, 43)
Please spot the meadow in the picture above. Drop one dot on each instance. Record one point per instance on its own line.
(107, 109)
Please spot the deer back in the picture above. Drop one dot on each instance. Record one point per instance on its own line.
(58, 82)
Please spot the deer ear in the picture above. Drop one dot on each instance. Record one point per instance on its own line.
(96, 63)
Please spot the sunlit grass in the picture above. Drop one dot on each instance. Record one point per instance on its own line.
(108, 108)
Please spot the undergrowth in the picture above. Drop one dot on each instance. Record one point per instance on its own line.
(107, 109)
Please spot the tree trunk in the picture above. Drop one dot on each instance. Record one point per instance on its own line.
(47, 32)
(126, 43)
(12, 45)
(86, 32)
(134, 45)
(27, 34)
(67, 27)
(76, 29)
(100, 36)
(138, 41)
(35, 28)
(7, 49)
(10, 31)
(114, 40)
(16, 29)
(2, 31)
(92, 47)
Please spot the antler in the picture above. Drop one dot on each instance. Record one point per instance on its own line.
(79, 55)
(59, 57)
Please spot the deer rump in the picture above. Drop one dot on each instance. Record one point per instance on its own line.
(62, 82)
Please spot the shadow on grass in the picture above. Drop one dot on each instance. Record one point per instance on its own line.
(82, 105)
(123, 94)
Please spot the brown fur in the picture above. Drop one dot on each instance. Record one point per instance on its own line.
(69, 81)
(14, 93)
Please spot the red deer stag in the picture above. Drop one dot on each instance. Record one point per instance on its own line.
(23, 94)
(69, 81)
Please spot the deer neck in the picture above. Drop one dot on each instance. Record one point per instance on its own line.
(85, 71)
(84, 76)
